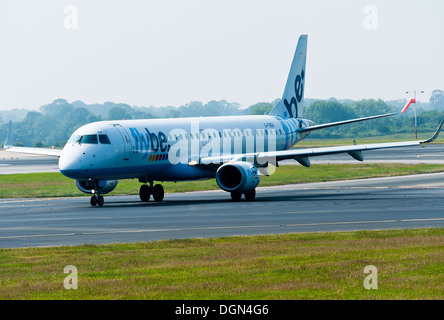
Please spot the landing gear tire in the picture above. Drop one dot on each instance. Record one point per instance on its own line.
(93, 201)
(97, 200)
(250, 195)
(100, 201)
(236, 196)
(158, 192)
(144, 193)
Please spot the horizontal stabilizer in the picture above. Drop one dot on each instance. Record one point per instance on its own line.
(37, 151)
(9, 146)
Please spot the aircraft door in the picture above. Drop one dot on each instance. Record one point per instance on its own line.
(127, 144)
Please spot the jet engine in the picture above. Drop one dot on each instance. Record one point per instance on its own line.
(237, 177)
(105, 186)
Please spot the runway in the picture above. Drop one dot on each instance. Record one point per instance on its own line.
(368, 204)
(13, 163)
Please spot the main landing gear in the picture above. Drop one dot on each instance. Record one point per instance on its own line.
(146, 191)
(249, 195)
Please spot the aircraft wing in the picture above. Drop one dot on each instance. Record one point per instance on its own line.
(340, 123)
(302, 155)
(39, 151)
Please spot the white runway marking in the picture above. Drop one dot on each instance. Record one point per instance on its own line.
(218, 228)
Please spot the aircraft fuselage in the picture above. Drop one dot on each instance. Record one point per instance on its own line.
(162, 149)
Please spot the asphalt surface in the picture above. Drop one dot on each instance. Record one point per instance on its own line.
(11, 163)
(386, 203)
(383, 203)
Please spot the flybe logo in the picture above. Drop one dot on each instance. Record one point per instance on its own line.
(183, 146)
(150, 142)
(292, 106)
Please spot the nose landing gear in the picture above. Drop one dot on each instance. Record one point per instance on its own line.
(97, 200)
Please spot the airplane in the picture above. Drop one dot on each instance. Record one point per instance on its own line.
(234, 150)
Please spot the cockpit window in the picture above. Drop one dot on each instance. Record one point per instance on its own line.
(73, 139)
(89, 138)
(103, 138)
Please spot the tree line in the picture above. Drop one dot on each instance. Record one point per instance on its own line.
(53, 123)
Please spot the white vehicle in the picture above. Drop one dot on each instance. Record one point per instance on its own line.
(234, 150)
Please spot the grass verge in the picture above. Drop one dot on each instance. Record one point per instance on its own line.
(57, 185)
(290, 266)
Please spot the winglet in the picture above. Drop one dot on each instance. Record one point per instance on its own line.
(8, 142)
(435, 135)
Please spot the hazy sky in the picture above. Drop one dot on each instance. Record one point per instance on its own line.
(171, 52)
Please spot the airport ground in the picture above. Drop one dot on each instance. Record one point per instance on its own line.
(304, 241)
(325, 265)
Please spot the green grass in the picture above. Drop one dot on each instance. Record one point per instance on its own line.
(291, 266)
(57, 185)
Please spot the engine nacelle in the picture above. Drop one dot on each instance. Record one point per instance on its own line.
(237, 176)
(105, 186)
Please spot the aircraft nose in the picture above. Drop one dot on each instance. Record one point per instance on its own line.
(69, 166)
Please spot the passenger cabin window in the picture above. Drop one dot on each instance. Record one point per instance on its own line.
(103, 138)
(89, 139)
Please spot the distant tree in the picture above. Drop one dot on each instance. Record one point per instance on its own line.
(57, 120)
(91, 117)
(322, 111)
(78, 115)
(39, 144)
(371, 107)
(173, 113)
(261, 108)
(212, 108)
(365, 108)
(16, 115)
(139, 114)
(428, 120)
(437, 99)
(58, 108)
(119, 113)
